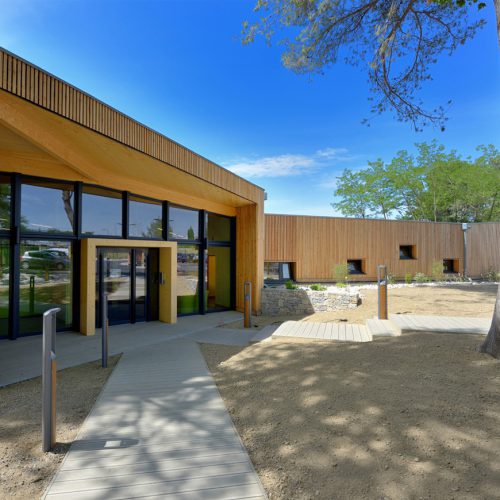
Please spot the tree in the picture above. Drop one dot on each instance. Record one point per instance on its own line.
(190, 233)
(353, 195)
(397, 42)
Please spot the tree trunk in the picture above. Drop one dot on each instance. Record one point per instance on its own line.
(497, 12)
(491, 345)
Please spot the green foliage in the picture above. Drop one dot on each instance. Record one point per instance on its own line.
(190, 233)
(408, 278)
(391, 279)
(395, 42)
(290, 285)
(341, 285)
(421, 278)
(432, 185)
(317, 287)
(437, 270)
(491, 275)
(341, 273)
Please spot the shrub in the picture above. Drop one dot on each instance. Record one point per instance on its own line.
(317, 287)
(341, 285)
(490, 275)
(408, 278)
(290, 285)
(421, 278)
(437, 270)
(341, 273)
(391, 279)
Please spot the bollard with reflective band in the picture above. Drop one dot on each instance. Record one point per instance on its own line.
(382, 292)
(105, 331)
(247, 292)
(49, 374)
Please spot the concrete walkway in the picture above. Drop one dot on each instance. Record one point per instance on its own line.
(21, 359)
(159, 429)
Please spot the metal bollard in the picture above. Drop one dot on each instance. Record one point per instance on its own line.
(382, 292)
(247, 294)
(49, 374)
(105, 331)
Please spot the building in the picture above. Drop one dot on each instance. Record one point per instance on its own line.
(93, 202)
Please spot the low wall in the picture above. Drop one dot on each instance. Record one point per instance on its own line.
(280, 301)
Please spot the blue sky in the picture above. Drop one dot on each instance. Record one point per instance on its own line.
(180, 68)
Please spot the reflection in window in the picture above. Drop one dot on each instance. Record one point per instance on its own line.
(218, 278)
(47, 207)
(355, 266)
(101, 212)
(182, 224)
(218, 228)
(407, 252)
(4, 286)
(45, 282)
(277, 271)
(145, 218)
(187, 279)
(4, 203)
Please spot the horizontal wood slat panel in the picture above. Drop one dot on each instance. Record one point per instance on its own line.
(31, 83)
(317, 244)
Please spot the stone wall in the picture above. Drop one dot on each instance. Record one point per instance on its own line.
(280, 301)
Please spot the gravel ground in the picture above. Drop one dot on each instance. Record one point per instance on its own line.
(475, 301)
(400, 418)
(24, 469)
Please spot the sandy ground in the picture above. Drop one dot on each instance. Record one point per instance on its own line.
(24, 469)
(400, 418)
(475, 301)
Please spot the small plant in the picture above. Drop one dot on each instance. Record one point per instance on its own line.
(421, 278)
(391, 279)
(408, 278)
(490, 275)
(437, 270)
(341, 274)
(341, 285)
(290, 285)
(317, 287)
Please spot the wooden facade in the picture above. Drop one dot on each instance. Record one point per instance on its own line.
(314, 245)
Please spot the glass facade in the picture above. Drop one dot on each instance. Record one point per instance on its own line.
(45, 282)
(101, 212)
(4, 286)
(4, 203)
(188, 264)
(218, 228)
(145, 218)
(52, 216)
(47, 207)
(183, 224)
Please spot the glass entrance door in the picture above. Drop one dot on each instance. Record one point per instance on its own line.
(129, 278)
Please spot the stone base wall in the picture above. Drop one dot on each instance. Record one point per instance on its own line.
(280, 301)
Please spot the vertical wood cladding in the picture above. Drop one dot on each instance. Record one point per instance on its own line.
(317, 244)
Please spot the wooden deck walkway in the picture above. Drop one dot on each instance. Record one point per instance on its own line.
(158, 429)
(407, 323)
(312, 331)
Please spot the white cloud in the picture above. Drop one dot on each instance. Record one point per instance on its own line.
(288, 164)
(274, 166)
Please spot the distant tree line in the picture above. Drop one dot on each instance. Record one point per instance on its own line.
(432, 185)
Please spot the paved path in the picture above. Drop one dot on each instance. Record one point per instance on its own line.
(312, 331)
(159, 429)
(21, 359)
(440, 324)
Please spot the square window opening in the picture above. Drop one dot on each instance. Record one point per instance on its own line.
(407, 252)
(356, 266)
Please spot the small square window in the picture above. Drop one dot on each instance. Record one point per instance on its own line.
(355, 266)
(407, 252)
(450, 266)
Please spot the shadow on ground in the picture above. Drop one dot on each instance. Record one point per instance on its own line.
(402, 418)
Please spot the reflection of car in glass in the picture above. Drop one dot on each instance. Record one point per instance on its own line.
(45, 259)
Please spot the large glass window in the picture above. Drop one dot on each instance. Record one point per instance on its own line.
(145, 218)
(4, 286)
(218, 278)
(187, 279)
(277, 271)
(45, 282)
(218, 228)
(47, 207)
(101, 212)
(4, 203)
(183, 224)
